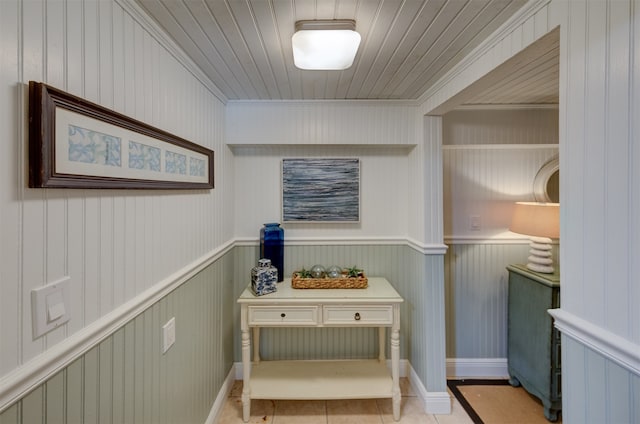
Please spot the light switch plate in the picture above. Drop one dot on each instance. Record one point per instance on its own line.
(50, 306)
(168, 334)
(475, 223)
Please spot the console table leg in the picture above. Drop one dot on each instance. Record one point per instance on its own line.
(256, 344)
(246, 368)
(382, 343)
(395, 373)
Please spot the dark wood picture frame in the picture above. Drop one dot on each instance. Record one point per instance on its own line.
(167, 161)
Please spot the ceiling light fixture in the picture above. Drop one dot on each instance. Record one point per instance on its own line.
(325, 44)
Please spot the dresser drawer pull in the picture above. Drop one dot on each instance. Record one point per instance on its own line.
(283, 315)
(357, 316)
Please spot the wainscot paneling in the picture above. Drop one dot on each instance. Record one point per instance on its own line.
(476, 298)
(601, 391)
(127, 378)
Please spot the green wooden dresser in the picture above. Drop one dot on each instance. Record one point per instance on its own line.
(533, 342)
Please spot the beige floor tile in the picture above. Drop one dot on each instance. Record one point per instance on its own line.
(300, 411)
(366, 411)
(261, 411)
(236, 389)
(353, 411)
(405, 388)
(411, 412)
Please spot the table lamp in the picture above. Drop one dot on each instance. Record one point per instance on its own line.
(541, 222)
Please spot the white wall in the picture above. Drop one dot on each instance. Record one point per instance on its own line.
(599, 159)
(114, 245)
(382, 135)
(490, 160)
(383, 196)
(359, 123)
(401, 204)
(501, 124)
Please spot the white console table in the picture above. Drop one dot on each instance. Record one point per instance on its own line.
(376, 306)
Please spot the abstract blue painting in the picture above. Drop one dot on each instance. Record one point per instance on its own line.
(321, 190)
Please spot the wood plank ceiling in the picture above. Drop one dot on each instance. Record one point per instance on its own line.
(244, 46)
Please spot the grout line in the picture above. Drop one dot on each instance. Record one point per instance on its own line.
(326, 413)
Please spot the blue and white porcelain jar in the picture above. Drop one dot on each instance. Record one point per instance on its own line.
(264, 278)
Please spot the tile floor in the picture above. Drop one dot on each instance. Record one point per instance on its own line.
(365, 411)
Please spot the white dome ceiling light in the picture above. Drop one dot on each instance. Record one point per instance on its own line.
(325, 44)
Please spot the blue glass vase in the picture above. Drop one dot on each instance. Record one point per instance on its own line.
(272, 246)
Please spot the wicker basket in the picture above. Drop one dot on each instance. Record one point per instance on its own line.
(343, 282)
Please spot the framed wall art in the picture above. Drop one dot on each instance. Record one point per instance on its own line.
(321, 190)
(74, 143)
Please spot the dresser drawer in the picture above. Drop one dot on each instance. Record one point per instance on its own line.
(357, 315)
(283, 315)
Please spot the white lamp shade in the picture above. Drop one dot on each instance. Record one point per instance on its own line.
(541, 222)
(536, 219)
(324, 49)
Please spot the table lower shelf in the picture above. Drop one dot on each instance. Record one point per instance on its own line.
(307, 380)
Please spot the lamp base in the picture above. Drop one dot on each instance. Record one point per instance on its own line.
(540, 259)
(544, 269)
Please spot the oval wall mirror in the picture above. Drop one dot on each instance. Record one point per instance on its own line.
(546, 184)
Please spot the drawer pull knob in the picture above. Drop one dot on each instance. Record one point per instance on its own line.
(283, 315)
(357, 316)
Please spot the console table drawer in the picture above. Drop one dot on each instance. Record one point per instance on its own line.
(358, 315)
(283, 315)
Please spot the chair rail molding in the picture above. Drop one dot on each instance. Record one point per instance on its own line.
(424, 248)
(35, 372)
(611, 346)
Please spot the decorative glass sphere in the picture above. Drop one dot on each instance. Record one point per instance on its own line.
(334, 271)
(317, 271)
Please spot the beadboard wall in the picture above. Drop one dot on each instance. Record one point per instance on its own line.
(476, 298)
(322, 122)
(126, 379)
(383, 191)
(490, 159)
(483, 182)
(115, 245)
(401, 181)
(501, 124)
(599, 159)
(401, 185)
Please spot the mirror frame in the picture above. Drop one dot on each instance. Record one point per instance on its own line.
(541, 180)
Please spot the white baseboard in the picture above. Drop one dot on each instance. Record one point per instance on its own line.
(437, 403)
(223, 394)
(477, 368)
